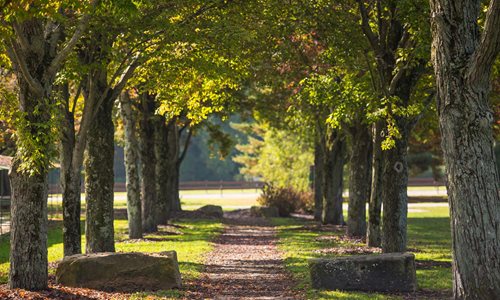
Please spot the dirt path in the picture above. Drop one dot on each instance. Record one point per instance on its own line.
(245, 264)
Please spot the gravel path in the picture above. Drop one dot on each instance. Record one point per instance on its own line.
(245, 264)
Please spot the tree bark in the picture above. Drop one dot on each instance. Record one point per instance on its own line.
(162, 170)
(28, 234)
(134, 213)
(99, 180)
(374, 234)
(360, 180)
(333, 179)
(394, 192)
(148, 187)
(319, 160)
(173, 144)
(70, 178)
(462, 61)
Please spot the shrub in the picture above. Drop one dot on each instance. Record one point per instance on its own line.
(306, 201)
(287, 200)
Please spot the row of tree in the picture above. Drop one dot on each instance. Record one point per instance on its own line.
(349, 76)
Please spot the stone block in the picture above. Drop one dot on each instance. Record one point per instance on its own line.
(388, 272)
(120, 271)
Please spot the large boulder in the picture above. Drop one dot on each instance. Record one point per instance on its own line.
(120, 271)
(389, 272)
(264, 211)
(212, 211)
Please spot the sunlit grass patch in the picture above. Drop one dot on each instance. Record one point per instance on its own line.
(191, 241)
(428, 237)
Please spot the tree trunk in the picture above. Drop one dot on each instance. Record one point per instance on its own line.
(148, 188)
(462, 63)
(359, 180)
(162, 171)
(333, 180)
(374, 235)
(131, 168)
(29, 183)
(71, 188)
(394, 192)
(70, 182)
(319, 160)
(99, 181)
(176, 204)
(173, 144)
(28, 234)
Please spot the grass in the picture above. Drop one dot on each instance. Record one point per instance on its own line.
(428, 237)
(191, 240)
(190, 200)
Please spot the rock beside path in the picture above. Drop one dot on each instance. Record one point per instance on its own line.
(389, 272)
(264, 211)
(212, 211)
(120, 271)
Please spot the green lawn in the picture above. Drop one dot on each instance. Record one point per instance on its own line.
(428, 237)
(190, 238)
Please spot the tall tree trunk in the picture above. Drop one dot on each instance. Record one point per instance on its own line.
(359, 180)
(374, 235)
(148, 188)
(70, 178)
(319, 161)
(333, 179)
(134, 212)
(29, 170)
(173, 144)
(28, 235)
(162, 170)
(462, 62)
(394, 192)
(99, 181)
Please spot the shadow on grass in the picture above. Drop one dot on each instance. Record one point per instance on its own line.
(428, 237)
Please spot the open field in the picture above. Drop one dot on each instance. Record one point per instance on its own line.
(237, 199)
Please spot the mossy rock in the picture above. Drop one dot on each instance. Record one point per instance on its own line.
(120, 271)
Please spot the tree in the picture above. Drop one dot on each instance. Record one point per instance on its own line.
(37, 49)
(463, 55)
(148, 160)
(279, 157)
(395, 32)
(134, 215)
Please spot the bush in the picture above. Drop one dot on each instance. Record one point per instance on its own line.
(287, 200)
(306, 202)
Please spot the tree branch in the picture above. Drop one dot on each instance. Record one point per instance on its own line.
(77, 95)
(23, 42)
(34, 84)
(61, 56)
(395, 80)
(365, 26)
(426, 102)
(186, 146)
(489, 47)
(127, 74)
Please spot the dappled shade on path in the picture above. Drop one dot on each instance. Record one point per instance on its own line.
(245, 264)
